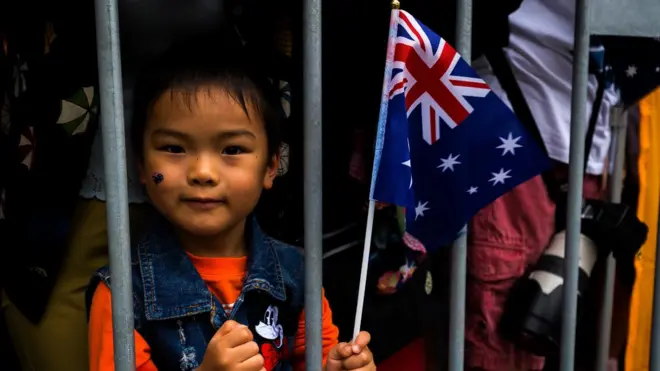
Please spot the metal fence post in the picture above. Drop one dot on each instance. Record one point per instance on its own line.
(575, 182)
(313, 169)
(619, 125)
(114, 160)
(459, 248)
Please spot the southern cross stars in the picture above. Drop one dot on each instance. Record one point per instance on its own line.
(420, 209)
(500, 177)
(509, 145)
(449, 162)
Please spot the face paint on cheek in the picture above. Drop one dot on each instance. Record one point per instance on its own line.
(157, 178)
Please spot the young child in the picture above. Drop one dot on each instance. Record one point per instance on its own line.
(211, 291)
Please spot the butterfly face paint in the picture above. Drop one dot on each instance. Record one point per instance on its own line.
(157, 178)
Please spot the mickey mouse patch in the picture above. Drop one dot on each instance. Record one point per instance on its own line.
(271, 327)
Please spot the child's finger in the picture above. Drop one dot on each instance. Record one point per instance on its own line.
(239, 335)
(361, 341)
(357, 361)
(255, 362)
(340, 351)
(245, 351)
(227, 327)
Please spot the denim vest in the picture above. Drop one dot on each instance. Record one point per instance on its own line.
(177, 315)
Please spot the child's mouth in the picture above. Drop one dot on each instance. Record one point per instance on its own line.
(203, 203)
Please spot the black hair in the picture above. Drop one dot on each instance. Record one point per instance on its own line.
(204, 61)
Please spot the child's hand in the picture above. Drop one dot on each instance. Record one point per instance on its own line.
(355, 356)
(232, 348)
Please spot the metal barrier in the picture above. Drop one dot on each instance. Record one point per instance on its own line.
(575, 180)
(114, 160)
(459, 248)
(313, 168)
(619, 125)
(109, 64)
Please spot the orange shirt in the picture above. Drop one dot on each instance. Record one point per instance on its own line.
(224, 278)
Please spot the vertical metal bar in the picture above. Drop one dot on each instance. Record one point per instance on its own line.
(459, 248)
(464, 29)
(575, 181)
(114, 160)
(619, 123)
(313, 168)
(654, 361)
(457, 304)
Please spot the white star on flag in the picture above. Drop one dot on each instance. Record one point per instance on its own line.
(472, 190)
(500, 177)
(509, 144)
(449, 162)
(631, 71)
(420, 209)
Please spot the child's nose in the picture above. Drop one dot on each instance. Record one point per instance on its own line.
(203, 172)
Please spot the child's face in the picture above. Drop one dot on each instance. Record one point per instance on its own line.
(213, 159)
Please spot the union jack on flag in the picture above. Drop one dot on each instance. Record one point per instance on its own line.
(428, 74)
(446, 145)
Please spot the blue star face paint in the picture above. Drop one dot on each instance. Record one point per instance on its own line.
(157, 178)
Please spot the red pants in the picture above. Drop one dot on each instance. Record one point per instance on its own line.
(505, 238)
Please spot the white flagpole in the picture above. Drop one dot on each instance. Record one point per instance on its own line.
(364, 268)
(382, 117)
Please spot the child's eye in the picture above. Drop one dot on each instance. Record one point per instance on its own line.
(233, 150)
(172, 149)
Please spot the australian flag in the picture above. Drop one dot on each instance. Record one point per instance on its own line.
(447, 145)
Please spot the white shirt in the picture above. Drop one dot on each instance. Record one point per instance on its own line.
(539, 52)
